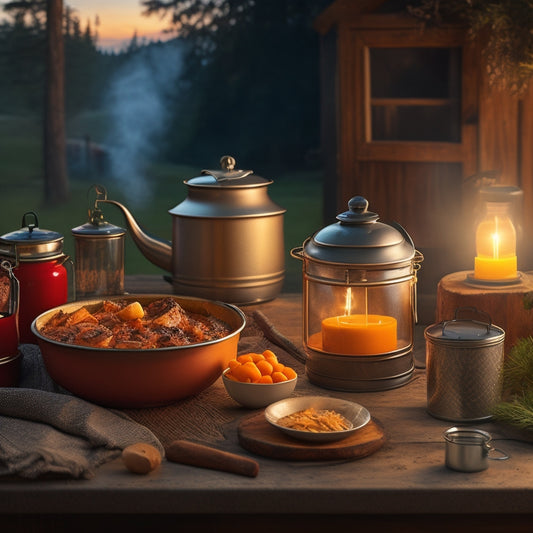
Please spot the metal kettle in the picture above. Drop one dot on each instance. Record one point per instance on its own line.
(227, 238)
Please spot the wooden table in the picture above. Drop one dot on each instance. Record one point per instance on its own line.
(404, 486)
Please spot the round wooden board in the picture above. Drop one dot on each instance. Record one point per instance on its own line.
(258, 436)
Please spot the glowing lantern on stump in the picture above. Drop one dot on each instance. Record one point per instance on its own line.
(496, 237)
(359, 302)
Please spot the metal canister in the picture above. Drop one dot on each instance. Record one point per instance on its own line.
(464, 360)
(99, 253)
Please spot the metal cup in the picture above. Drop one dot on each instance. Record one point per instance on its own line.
(467, 450)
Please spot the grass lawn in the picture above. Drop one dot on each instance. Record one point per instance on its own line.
(21, 187)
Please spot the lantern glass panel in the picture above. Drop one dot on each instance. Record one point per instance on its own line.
(366, 301)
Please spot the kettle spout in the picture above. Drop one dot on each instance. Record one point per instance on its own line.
(157, 251)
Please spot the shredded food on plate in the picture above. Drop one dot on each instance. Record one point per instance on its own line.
(315, 420)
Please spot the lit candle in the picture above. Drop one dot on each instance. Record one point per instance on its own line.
(359, 334)
(496, 257)
(490, 268)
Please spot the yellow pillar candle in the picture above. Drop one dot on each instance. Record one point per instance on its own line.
(359, 334)
(492, 269)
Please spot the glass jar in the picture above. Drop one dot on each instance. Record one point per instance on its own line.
(39, 265)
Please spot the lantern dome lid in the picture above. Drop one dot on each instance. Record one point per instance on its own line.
(500, 193)
(359, 238)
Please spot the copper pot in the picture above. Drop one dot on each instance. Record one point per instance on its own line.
(141, 378)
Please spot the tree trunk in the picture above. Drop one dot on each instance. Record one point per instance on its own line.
(56, 185)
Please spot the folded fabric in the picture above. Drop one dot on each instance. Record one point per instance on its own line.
(43, 432)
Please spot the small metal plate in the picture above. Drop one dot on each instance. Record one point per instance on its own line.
(356, 414)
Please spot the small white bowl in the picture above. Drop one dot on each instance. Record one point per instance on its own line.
(256, 395)
(356, 414)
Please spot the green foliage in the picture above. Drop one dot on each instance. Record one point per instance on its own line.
(505, 25)
(516, 408)
(517, 412)
(518, 367)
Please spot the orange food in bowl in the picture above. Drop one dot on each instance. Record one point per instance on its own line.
(259, 368)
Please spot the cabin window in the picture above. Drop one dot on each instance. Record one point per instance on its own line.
(415, 94)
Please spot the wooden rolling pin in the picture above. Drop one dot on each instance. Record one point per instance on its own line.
(191, 453)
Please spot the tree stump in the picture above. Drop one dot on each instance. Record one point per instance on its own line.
(509, 306)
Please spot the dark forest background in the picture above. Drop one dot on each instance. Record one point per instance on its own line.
(141, 120)
(247, 85)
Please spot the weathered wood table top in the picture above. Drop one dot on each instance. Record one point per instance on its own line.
(403, 484)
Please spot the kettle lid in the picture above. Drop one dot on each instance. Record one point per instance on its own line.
(228, 176)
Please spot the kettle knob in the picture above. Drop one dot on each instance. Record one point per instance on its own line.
(227, 162)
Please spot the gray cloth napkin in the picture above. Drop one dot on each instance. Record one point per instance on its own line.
(45, 431)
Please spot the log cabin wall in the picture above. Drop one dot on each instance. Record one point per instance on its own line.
(424, 181)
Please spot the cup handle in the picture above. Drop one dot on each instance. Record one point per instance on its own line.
(502, 457)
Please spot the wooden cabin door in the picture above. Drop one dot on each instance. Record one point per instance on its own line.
(408, 124)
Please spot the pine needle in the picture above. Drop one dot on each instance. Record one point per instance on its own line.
(517, 371)
(517, 381)
(518, 412)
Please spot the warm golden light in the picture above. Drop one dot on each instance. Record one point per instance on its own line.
(348, 305)
(495, 245)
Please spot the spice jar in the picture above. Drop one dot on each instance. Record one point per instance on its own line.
(99, 253)
(39, 265)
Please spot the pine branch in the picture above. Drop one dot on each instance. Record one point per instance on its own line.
(518, 412)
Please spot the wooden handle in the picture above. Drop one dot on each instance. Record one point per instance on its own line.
(191, 453)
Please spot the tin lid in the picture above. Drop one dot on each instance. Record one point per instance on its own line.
(97, 226)
(359, 238)
(464, 332)
(31, 242)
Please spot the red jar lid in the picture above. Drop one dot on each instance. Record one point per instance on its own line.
(30, 243)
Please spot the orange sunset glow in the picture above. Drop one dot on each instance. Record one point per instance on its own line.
(118, 21)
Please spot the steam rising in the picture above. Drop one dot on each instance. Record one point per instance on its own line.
(136, 100)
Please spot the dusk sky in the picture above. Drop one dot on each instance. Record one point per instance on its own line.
(119, 19)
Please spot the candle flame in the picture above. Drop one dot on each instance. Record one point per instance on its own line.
(495, 246)
(348, 304)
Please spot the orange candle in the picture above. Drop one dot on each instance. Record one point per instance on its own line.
(359, 334)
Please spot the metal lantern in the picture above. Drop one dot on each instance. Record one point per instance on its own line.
(99, 253)
(359, 302)
(496, 236)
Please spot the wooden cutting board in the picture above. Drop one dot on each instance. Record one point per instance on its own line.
(258, 436)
